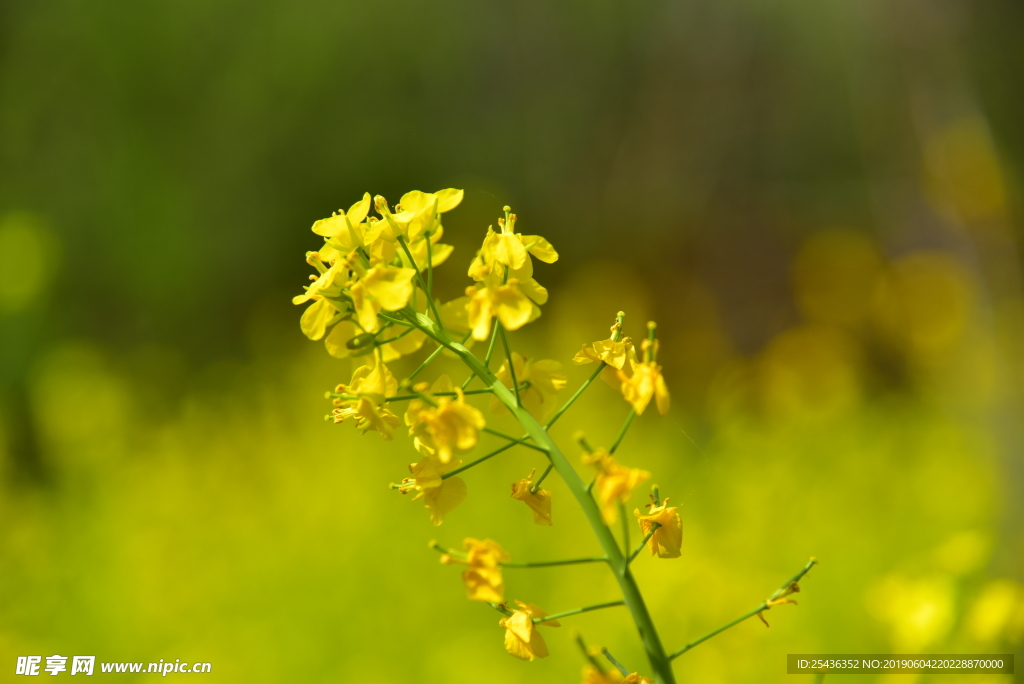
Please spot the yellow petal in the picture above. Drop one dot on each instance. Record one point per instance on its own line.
(337, 341)
(315, 318)
(448, 199)
(391, 286)
(442, 500)
(540, 248)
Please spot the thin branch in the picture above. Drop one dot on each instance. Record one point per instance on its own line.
(534, 564)
(622, 431)
(647, 538)
(478, 461)
(619, 666)
(577, 611)
(490, 352)
(511, 366)
(536, 485)
(499, 433)
(784, 589)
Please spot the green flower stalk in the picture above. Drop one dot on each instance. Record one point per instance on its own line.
(372, 298)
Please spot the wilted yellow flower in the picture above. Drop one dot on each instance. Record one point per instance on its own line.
(614, 483)
(493, 298)
(546, 379)
(441, 495)
(382, 287)
(483, 575)
(668, 537)
(521, 637)
(539, 501)
(450, 427)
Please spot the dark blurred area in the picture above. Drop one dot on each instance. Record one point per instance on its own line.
(819, 202)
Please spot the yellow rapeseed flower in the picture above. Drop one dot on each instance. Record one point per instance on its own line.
(449, 427)
(371, 385)
(546, 379)
(614, 483)
(491, 298)
(521, 637)
(440, 495)
(382, 287)
(345, 231)
(615, 354)
(511, 249)
(667, 539)
(483, 573)
(646, 380)
(539, 501)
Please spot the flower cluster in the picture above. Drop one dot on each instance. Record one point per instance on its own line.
(371, 300)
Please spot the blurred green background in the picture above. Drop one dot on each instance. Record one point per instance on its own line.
(819, 202)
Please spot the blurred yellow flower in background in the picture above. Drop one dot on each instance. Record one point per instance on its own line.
(483, 577)
(614, 484)
(546, 378)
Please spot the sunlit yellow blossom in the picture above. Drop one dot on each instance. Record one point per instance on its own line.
(441, 495)
(668, 537)
(450, 427)
(614, 483)
(646, 382)
(505, 301)
(374, 380)
(546, 379)
(511, 249)
(539, 501)
(387, 288)
(345, 231)
(521, 637)
(483, 575)
(317, 317)
(415, 212)
(615, 354)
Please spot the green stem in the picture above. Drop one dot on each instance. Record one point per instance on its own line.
(619, 666)
(625, 529)
(477, 461)
(647, 538)
(622, 431)
(661, 666)
(536, 485)
(419, 279)
(499, 433)
(407, 397)
(490, 352)
(577, 611)
(587, 654)
(575, 396)
(532, 564)
(433, 355)
(616, 336)
(511, 366)
(761, 608)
